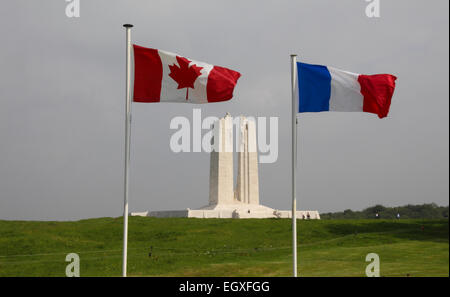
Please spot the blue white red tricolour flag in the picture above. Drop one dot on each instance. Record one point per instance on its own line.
(322, 88)
(161, 76)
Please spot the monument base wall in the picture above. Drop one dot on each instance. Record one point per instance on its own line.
(233, 211)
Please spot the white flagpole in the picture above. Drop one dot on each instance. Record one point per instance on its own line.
(294, 162)
(127, 149)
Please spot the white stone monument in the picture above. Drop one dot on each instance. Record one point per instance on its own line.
(221, 164)
(247, 187)
(224, 201)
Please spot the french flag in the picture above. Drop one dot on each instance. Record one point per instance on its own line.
(161, 76)
(322, 88)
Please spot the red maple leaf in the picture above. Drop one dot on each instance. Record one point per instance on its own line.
(184, 75)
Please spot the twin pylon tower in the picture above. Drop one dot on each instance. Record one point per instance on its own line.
(226, 200)
(222, 191)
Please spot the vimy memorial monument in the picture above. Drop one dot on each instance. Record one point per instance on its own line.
(225, 199)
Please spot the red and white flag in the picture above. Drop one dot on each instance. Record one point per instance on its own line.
(161, 76)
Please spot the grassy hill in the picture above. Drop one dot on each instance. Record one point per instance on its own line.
(224, 247)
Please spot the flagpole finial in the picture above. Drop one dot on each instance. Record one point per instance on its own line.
(128, 25)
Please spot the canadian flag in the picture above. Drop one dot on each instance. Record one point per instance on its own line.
(161, 76)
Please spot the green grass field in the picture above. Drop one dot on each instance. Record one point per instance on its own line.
(224, 247)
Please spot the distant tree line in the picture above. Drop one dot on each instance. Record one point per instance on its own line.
(424, 211)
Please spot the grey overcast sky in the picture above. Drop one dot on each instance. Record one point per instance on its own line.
(62, 103)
